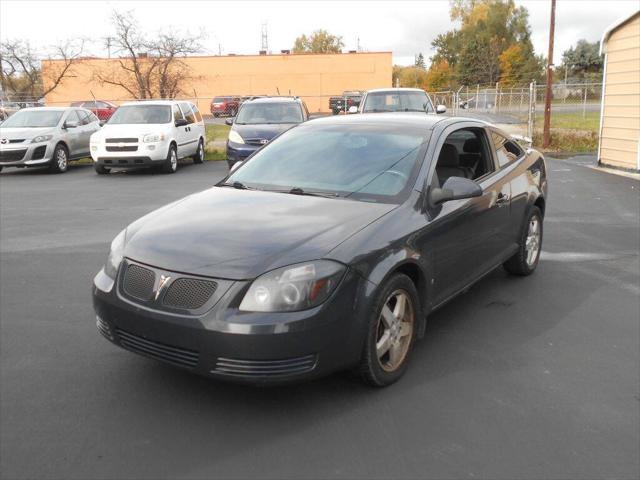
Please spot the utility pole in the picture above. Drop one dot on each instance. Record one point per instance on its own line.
(108, 45)
(265, 38)
(546, 133)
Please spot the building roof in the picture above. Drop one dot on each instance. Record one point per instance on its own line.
(613, 27)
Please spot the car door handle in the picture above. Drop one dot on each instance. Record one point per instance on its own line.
(502, 199)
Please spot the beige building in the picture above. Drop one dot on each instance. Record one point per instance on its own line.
(314, 77)
(620, 112)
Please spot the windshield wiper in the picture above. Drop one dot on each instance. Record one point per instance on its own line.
(238, 185)
(300, 191)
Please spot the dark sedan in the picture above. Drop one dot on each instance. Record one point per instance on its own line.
(326, 250)
(259, 121)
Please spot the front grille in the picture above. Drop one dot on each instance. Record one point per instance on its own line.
(16, 140)
(264, 368)
(12, 155)
(122, 140)
(124, 160)
(160, 351)
(255, 141)
(139, 282)
(189, 293)
(38, 153)
(132, 148)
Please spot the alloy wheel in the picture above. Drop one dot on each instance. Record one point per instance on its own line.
(394, 330)
(532, 243)
(174, 160)
(61, 159)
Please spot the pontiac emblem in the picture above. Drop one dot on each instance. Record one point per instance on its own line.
(163, 281)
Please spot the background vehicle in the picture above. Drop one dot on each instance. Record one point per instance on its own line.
(331, 246)
(103, 110)
(149, 134)
(226, 105)
(349, 98)
(54, 136)
(259, 121)
(397, 100)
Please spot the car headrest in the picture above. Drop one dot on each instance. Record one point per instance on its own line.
(472, 145)
(448, 156)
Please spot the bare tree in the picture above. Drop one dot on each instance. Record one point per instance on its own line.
(148, 68)
(21, 67)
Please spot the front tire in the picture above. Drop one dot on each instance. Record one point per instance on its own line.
(525, 260)
(60, 160)
(391, 332)
(171, 163)
(199, 156)
(101, 169)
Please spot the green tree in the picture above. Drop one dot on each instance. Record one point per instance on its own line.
(419, 62)
(319, 41)
(583, 61)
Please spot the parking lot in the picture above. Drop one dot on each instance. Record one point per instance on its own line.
(532, 377)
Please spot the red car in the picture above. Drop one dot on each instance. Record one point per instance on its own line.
(225, 106)
(103, 110)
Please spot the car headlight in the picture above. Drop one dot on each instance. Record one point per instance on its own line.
(115, 255)
(296, 287)
(235, 137)
(153, 137)
(42, 138)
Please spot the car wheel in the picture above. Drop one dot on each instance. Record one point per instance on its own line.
(60, 161)
(525, 260)
(101, 169)
(0, 169)
(171, 164)
(216, 115)
(199, 156)
(391, 332)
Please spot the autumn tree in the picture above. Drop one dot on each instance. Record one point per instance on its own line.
(439, 76)
(319, 41)
(21, 73)
(148, 67)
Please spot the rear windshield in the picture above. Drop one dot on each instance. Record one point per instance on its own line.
(221, 99)
(397, 102)
(33, 119)
(139, 114)
(269, 113)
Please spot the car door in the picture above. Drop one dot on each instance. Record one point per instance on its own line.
(88, 126)
(198, 127)
(190, 143)
(181, 132)
(72, 132)
(463, 240)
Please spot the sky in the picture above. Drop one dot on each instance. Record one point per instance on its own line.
(402, 27)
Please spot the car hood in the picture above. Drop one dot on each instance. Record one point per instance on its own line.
(128, 131)
(262, 131)
(25, 133)
(239, 234)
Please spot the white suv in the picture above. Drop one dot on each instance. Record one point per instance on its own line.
(149, 134)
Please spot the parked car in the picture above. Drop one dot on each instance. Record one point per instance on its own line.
(228, 105)
(326, 250)
(397, 100)
(40, 136)
(103, 110)
(259, 121)
(149, 134)
(349, 98)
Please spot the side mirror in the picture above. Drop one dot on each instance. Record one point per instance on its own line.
(229, 121)
(235, 166)
(353, 109)
(70, 124)
(441, 109)
(181, 122)
(455, 188)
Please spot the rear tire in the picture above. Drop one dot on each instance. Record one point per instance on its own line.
(60, 161)
(525, 260)
(199, 156)
(392, 328)
(101, 169)
(171, 163)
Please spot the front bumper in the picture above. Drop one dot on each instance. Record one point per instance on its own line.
(247, 347)
(139, 155)
(26, 154)
(238, 152)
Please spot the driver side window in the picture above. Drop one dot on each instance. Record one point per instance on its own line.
(465, 154)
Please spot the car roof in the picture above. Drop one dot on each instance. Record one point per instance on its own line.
(51, 109)
(391, 90)
(155, 102)
(408, 119)
(275, 100)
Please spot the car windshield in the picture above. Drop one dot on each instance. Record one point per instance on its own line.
(137, 114)
(367, 162)
(221, 99)
(397, 102)
(33, 119)
(260, 113)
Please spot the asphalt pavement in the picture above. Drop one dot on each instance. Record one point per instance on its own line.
(519, 378)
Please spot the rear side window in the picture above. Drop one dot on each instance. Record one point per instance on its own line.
(188, 113)
(506, 150)
(196, 112)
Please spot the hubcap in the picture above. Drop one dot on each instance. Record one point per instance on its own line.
(532, 243)
(394, 330)
(201, 151)
(62, 159)
(174, 160)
